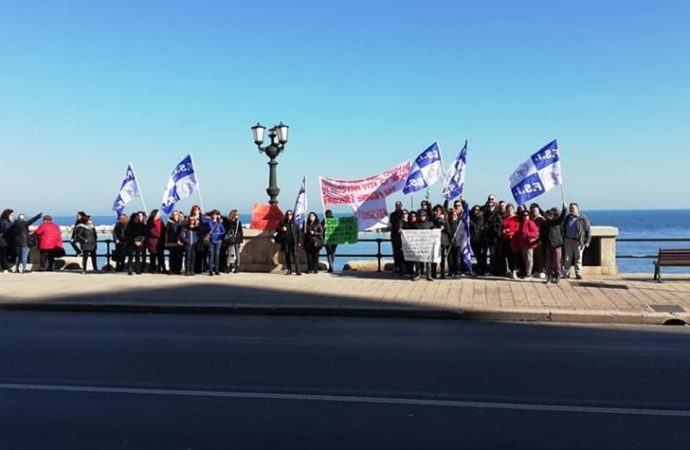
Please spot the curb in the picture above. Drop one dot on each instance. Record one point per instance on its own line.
(545, 316)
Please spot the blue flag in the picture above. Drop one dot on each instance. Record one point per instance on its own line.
(427, 170)
(538, 175)
(128, 190)
(301, 204)
(455, 178)
(181, 184)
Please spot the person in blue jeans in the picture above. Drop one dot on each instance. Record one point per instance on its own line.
(19, 233)
(214, 229)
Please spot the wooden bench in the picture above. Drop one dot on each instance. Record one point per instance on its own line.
(671, 258)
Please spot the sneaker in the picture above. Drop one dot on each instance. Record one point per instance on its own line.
(513, 275)
(578, 277)
(528, 278)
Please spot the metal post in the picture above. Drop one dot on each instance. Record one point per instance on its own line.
(107, 251)
(378, 253)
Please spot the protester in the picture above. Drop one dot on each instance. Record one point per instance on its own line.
(200, 248)
(287, 236)
(537, 216)
(491, 234)
(425, 224)
(79, 219)
(424, 207)
(5, 240)
(120, 253)
(85, 235)
(49, 243)
(191, 240)
(441, 222)
(552, 238)
(174, 231)
(510, 226)
(234, 236)
(413, 268)
(19, 233)
(330, 249)
(155, 242)
(525, 241)
(454, 249)
(477, 239)
(395, 222)
(135, 237)
(578, 235)
(214, 231)
(313, 241)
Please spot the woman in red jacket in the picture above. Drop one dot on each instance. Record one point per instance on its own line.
(155, 241)
(49, 243)
(525, 240)
(511, 224)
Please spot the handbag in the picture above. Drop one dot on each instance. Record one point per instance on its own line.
(32, 240)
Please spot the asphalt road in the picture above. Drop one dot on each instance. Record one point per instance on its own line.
(111, 381)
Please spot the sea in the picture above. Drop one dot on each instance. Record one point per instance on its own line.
(643, 224)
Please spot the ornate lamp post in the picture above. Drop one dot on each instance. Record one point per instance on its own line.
(279, 137)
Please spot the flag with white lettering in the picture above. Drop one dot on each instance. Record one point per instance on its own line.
(538, 175)
(427, 170)
(128, 190)
(181, 184)
(455, 177)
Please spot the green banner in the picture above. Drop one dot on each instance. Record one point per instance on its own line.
(342, 230)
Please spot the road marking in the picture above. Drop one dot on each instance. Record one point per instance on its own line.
(348, 399)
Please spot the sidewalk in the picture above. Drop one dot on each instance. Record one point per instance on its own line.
(632, 299)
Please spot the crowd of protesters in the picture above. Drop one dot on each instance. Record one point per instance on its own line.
(523, 242)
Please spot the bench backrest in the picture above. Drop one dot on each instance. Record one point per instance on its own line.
(674, 257)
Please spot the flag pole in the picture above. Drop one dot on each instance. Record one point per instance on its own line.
(306, 207)
(141, 192)
(198, 191)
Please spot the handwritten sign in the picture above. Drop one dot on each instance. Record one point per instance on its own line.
(341, 230)
(422, 245)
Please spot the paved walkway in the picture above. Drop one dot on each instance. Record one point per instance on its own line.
(634, 299)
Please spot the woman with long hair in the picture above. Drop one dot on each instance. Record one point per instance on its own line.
(313, 241)
(288, 236)
(155, 242)
(135, 237)
(87, 238)
(234, 236)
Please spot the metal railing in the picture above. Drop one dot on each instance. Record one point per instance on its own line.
(646, 256)
(380, 256)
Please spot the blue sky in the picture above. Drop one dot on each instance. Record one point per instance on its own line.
(86, 86)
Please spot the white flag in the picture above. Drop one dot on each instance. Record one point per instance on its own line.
(128, 190)
(301, 204)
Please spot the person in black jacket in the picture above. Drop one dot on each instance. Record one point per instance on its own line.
(135, 237)
(493, 222)
(174, 241)
(551, 232)
(454, 249)
(412, 224)
(19, 233)
(79, 219)
(477, 239)
(120, 253)
(395, 222)
(441, 222)
(330, 249)
(288, 236)
(5, 239)
(234, 236)
(313, 241)
(85, 235)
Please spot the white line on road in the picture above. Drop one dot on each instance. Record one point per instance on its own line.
(348, 399)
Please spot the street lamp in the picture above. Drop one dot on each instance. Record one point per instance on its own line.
(279, 137)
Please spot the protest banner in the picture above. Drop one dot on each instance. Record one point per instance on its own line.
(367, 196)
(266, 217)
(341, 230)
(422, 245)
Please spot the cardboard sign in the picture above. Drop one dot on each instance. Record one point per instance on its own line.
(341, 230)
(266, 217)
